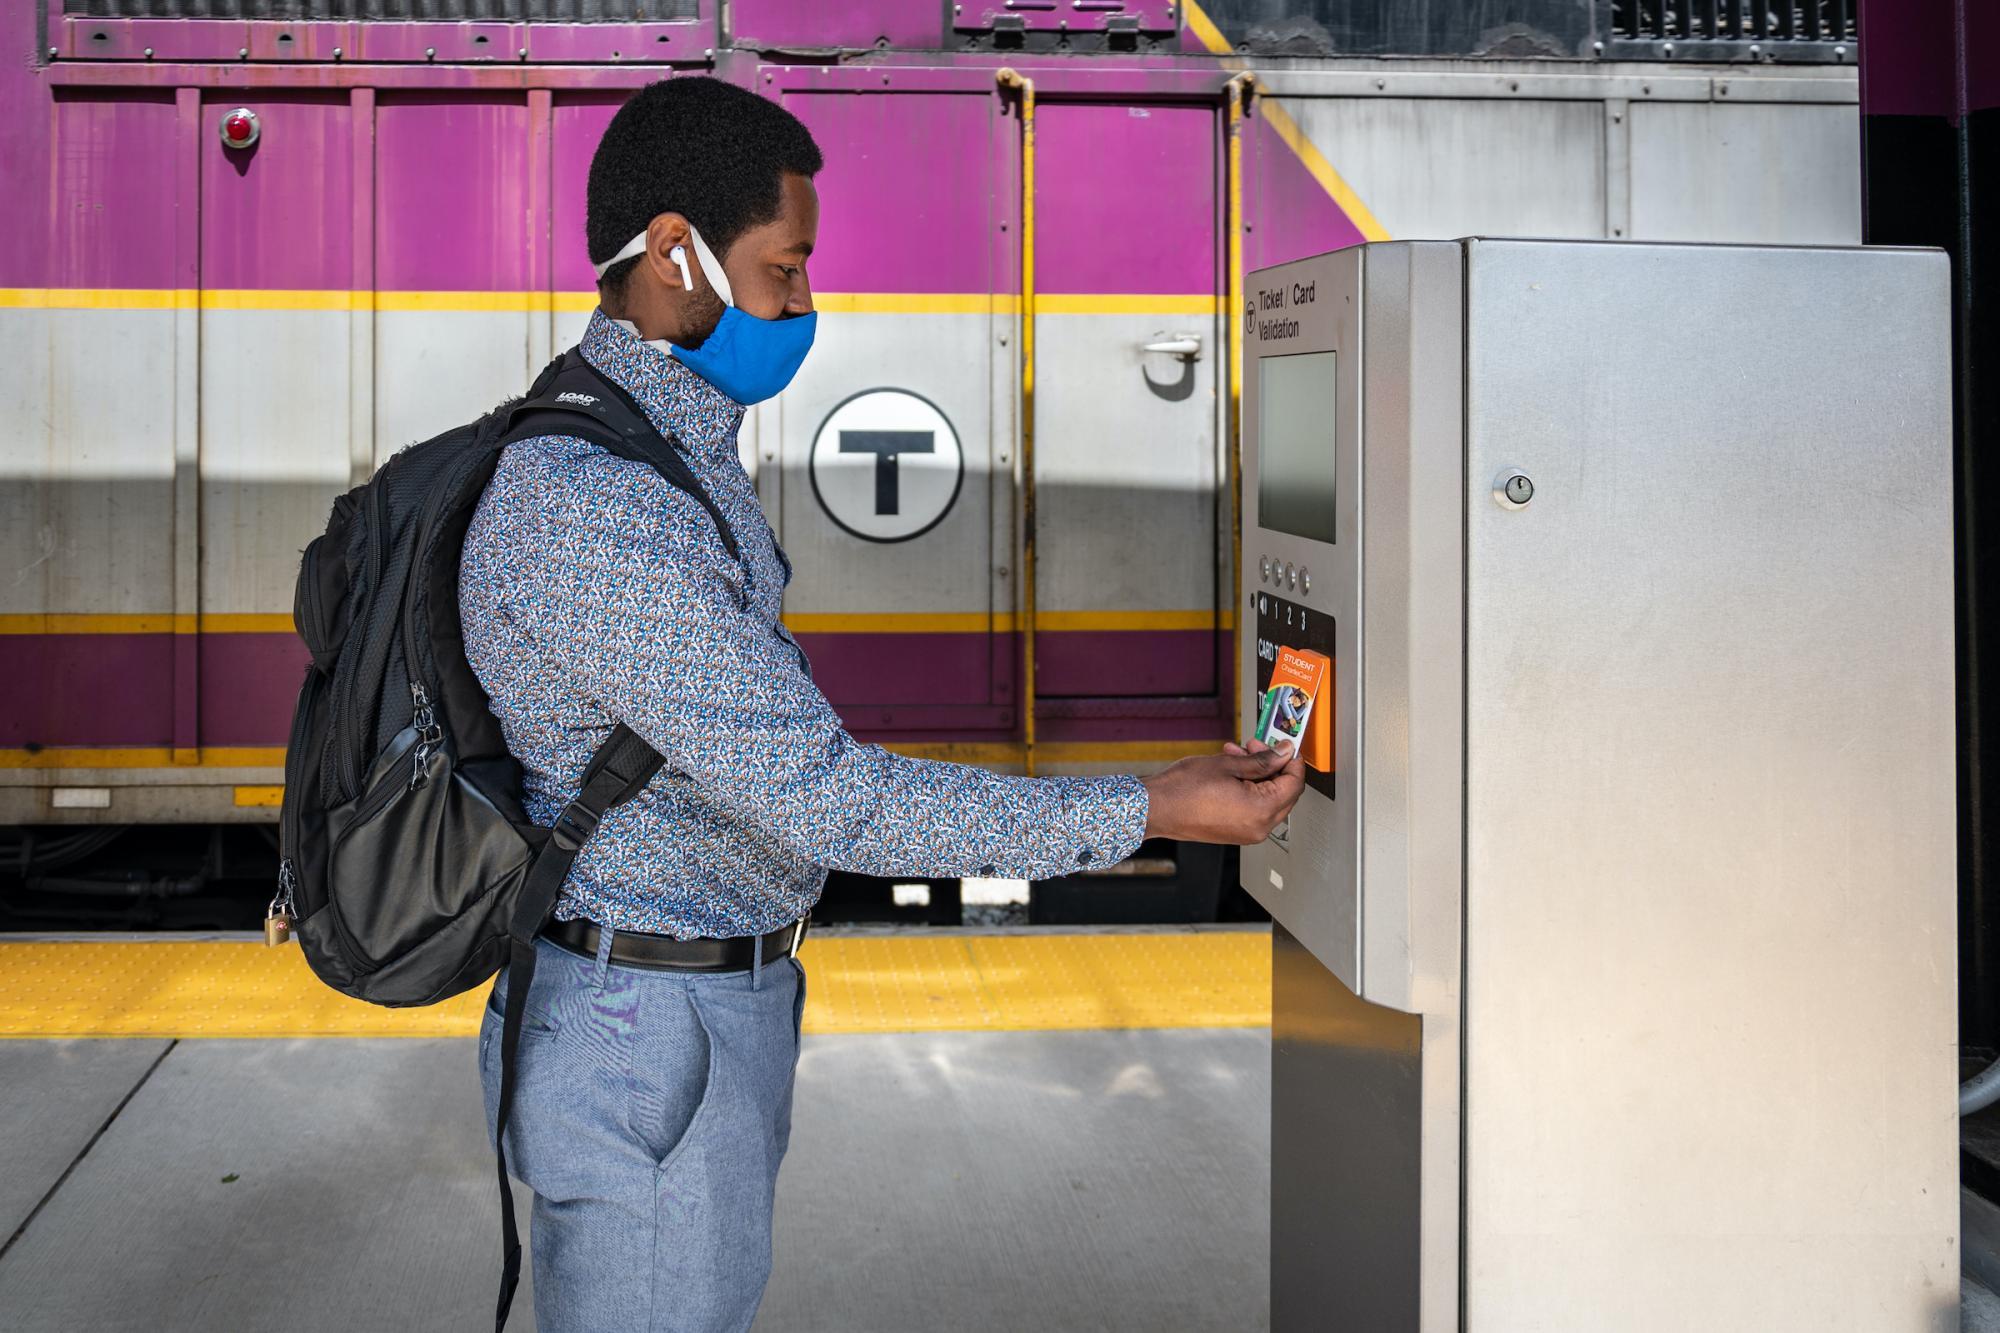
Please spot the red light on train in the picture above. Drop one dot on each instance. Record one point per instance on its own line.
(240, 128)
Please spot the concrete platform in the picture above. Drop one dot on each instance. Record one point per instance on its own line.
(1036, 1131)
(1041, 1181)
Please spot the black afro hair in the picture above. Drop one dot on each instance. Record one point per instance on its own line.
(697, 146)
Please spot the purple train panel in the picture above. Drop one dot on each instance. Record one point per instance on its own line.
(418, 221)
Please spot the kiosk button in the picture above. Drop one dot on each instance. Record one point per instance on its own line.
(1264, 568)
(1305, 581)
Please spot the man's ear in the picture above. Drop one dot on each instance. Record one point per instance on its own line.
(663, 234)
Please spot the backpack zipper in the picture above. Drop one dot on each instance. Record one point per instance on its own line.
(417, 650)
(287, 899)
(372, 803)
(310, 691)
(347, 763)
(429, 733)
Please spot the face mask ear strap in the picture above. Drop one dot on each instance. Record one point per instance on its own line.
(711, 267)
(635, 246)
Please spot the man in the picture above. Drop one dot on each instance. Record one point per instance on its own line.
(654, 1101)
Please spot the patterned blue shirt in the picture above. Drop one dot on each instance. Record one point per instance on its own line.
(593, 591)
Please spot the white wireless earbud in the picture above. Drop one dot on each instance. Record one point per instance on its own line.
(679, 255)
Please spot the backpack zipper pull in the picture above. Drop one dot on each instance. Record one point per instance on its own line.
(429, 733)
(283, 911)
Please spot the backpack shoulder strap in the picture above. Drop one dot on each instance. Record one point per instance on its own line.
(620, 770)
(576, 400)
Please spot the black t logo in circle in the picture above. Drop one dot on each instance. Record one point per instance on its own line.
(888, 446)
(1249, 316)
(884, 447)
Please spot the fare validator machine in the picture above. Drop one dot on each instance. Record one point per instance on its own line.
(1614, 979)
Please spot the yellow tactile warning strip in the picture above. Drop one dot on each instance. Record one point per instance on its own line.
(897, 983)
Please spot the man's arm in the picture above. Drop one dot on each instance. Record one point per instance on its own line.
(644, 612)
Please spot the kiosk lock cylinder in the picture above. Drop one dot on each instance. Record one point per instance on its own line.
(1514, 489)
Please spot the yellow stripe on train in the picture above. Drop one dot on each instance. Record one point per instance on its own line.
(164, 622)
(582, 303)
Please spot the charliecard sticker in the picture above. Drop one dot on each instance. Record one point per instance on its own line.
(1296, 684)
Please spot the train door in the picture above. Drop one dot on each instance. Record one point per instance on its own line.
(1131, 531)
(889, 462)
(282, 429)
(98, 435)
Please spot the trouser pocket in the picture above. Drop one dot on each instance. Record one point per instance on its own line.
(798, 1008)
(669, 1089)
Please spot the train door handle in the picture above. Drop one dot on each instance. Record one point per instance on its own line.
(1186, 346)
(1183, 347)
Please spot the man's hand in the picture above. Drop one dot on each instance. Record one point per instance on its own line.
(1237, 796)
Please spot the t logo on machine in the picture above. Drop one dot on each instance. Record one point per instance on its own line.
(886, 465)
(888, 446)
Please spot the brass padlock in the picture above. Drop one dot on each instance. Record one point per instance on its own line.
(281, 914)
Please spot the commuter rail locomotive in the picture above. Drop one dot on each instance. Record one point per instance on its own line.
(255, 246)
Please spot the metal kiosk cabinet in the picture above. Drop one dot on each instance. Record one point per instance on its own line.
(1614, 967)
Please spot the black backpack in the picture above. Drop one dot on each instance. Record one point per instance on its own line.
(408, 864)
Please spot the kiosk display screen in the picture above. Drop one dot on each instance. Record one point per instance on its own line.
(1296, 430)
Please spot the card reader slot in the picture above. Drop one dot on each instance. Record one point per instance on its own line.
(1285, 624)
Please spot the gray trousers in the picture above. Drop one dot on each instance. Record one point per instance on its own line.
(651, 1112)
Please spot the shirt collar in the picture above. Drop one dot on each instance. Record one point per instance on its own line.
(678, 401)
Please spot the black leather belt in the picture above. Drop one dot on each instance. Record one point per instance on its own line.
(664, 953)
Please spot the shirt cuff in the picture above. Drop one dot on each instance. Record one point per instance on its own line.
(1114, 830)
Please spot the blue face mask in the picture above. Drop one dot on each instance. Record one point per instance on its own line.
(748, 358)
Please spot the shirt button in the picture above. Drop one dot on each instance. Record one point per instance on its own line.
(1085, 857)
(986, 871)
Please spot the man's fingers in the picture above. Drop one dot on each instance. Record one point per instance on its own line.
(1231, 747)
(1253, 767)
(1241, 764)
(1283, 788)
(1290, 784)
